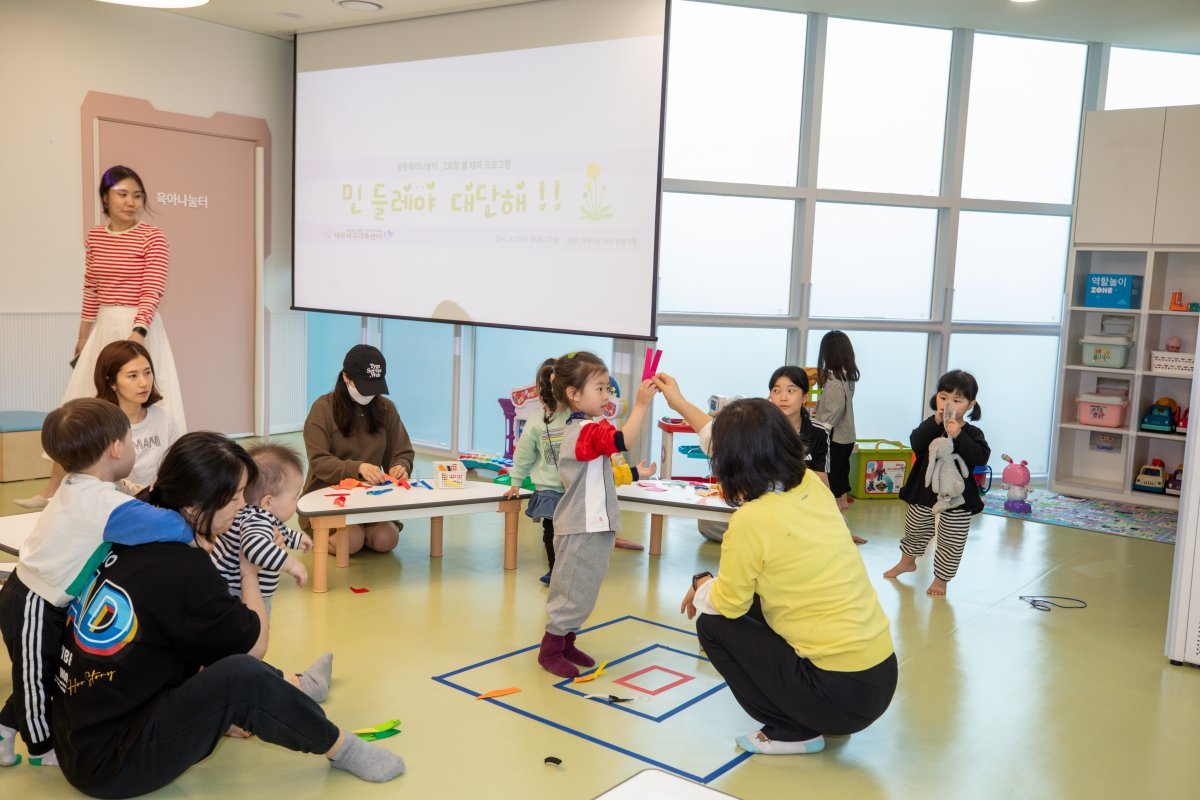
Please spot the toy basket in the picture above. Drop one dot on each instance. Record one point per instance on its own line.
(449, 474)
(879, 468)
(1164, 362)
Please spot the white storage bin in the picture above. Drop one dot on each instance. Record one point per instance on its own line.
(1105, 351)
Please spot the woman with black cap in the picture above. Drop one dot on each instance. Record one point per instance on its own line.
(356, 432)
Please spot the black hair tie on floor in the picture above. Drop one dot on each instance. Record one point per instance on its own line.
(1043, 602)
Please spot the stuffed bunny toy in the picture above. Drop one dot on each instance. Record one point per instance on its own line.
(943, 475)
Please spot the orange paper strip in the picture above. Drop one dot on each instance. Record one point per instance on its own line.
(498, 693)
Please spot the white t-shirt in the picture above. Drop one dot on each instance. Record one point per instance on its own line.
(151, 438)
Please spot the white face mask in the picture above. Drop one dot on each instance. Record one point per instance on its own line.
(361, 399)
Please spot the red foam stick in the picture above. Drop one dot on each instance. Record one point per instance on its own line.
(340, 501)
(358, 590)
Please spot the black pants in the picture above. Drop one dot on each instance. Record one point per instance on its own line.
(792, 698)
(186, 724)
(33, 631)
(548, 540)
(839, 468)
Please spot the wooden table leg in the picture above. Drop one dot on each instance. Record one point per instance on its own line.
(320, 576)
(342, 543)
(656, 526)
(435, 537)
(510, 508)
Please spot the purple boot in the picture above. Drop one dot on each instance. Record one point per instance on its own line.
(574, 654)
(551, 656)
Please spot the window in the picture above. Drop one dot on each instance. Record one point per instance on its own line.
(1016, 377)
(872, 261)
(883, 109)
(420, 371)
(890, 398)
(1148, 79)
(734, 91)
(329, 337)
(708, 361)
(725, 255)
(1023, 119)
(506, 359)
(1010, 267)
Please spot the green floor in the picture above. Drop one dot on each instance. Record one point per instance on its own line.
(996, 700)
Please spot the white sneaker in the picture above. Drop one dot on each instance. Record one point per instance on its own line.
(37, 501)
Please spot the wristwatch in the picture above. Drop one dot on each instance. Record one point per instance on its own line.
(139, 330)
(696, 578)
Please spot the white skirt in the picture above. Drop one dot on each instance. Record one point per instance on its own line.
(116, 322)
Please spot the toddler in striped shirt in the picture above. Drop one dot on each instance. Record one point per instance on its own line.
(259, 531)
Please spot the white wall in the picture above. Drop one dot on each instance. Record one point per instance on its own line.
(52, 53)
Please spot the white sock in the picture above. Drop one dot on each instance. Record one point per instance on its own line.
(758, 742)
(46, 759)
(8, 741)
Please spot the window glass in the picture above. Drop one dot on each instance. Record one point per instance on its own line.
(1010, 267)
(883, 113)
(725, 255)
(1150, 79)
(872, 261)
(506, 359)
(735, 80)
(1017, 405)
(420, 364)
(1023, 119)
(889, 399)
(708, 361)
(328, 336)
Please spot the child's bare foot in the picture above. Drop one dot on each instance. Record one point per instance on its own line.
(905, 564)
(858, 539)
(235, 732)
(937, 588)
(843, 503)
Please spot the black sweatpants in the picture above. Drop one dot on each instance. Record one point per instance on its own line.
(548, 540)
(839, 468)
(792, 698)
(33, 631)
(187, 722)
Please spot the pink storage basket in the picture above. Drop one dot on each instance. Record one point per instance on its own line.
(1101, 410)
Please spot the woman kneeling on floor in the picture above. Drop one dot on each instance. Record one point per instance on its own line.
(791, 620)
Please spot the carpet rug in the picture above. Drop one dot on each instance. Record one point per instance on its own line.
(1120, 519)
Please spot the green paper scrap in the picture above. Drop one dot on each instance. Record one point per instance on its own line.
(383, 730)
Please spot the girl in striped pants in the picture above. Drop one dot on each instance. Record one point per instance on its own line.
(953, 404)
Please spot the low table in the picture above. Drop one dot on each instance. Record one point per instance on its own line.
(15, 529)
(401, 504)
(670, 498)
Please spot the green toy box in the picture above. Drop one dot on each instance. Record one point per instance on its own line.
(879, 468)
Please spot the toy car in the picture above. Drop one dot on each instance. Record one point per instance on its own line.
(1158, 418)
(1175, 482)
(1150, 478)
(1182, 423)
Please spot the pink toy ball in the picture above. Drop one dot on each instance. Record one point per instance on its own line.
(1174, 344)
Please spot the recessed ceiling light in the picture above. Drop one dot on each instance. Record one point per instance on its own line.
(158, 3)
(359, 5)
(1024, 1)
(289, 15)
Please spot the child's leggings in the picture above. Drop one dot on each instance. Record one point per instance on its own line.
(33, 631)
(548, 539)
(951, 528)
(579, 569)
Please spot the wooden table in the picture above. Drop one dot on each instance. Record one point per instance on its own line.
(401, 504)
(677, 501)
(15, 529)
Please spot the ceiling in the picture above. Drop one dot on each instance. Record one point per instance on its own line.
(1152, 24)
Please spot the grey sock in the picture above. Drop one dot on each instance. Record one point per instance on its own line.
(367, 761)
(315, 680)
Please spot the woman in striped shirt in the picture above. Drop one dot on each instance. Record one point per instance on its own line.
(124, 278)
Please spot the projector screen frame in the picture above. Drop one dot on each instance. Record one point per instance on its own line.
(652, 325)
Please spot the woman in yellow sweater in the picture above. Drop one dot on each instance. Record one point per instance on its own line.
(791, 621)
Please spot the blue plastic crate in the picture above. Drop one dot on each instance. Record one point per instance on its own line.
(1113, 291)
